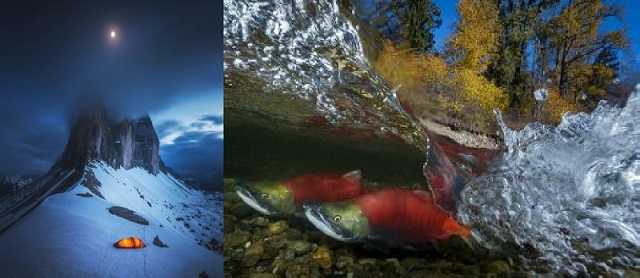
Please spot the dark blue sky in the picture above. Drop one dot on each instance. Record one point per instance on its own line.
(165, 60)
(629, 20)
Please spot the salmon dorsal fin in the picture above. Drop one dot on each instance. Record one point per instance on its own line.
(423, 194)
(354, 176)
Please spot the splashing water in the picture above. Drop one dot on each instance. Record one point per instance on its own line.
(294, 44)
(312, 50)
(567, 197)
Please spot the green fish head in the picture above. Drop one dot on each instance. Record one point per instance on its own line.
(267, 198)
(343, 221)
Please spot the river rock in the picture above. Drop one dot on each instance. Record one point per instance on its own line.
(253, 253)
(232, 197)
(236, 238)
(344, 262)
(271, 250)
(277, 228)
(289, 255)
(323, 256)
(392, 265)
(263, 275)
(367, 261)
(498, 266)
(241, 210)
(299, 247)
(297, 270)
(411, 263)
(280, 266)
(259, 222)
(229, 223)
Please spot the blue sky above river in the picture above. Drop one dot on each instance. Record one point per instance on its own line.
(629, 20)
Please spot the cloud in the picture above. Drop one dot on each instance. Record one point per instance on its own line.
(166, 127)
(197, 155)
(192, 141)
(29, 143)
(185, 118)
(215, 119)
(198, 125)
(190, 137)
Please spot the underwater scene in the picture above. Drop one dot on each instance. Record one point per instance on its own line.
(333, 170)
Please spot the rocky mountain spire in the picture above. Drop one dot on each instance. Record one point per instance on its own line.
(147, 146)
(90, 136)
(127, 144)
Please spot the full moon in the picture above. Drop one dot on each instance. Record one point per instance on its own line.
(113, 34)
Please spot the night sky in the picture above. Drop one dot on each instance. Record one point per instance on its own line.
(165, 60)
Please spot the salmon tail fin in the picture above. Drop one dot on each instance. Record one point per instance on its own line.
(354, 176)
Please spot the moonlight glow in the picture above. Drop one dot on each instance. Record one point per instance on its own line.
(113, 34)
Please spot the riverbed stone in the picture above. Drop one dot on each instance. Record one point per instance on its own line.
(344, 262)
(253, 254)
(263, 275)
(236, 238)
(497, 266)
(323, 256)
(277, 228)
(299, 247)
(241, 210)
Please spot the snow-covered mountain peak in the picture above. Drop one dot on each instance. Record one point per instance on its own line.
(127, 143)
(110, 184)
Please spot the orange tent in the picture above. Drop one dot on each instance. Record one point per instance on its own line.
(130, 242)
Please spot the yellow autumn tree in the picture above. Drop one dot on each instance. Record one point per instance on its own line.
(421, 76)
(578, 38)
(399, 66)
(479, 96)
(471, 48)
(476, 36)
(555, 107)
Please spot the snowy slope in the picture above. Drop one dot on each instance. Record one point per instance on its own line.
(16, 205)
(71, 235)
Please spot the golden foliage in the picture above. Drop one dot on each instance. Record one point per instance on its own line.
(460, 92)
(555, 107)
(581, 18)
(480, 95)
(476, 38)
(589, 81)
(420, 77)
(397, 66)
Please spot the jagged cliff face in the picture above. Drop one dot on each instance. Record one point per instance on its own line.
(146, 147)
(127, 144)
(90, 137)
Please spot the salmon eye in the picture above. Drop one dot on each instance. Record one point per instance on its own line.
(264, 196)
(337, 218)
